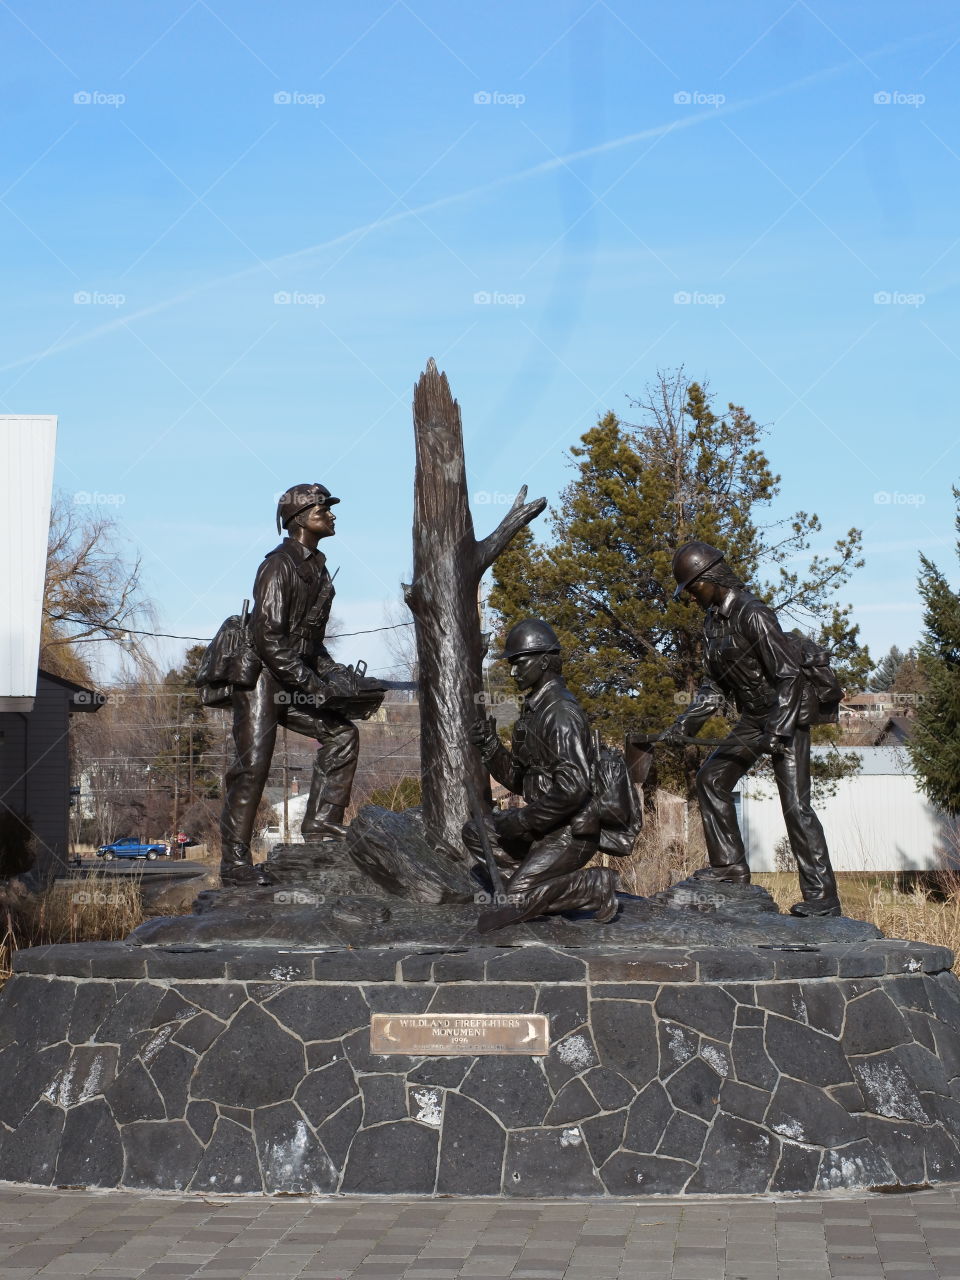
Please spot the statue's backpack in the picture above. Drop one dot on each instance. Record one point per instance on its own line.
(229, 662)
(619, 810)
(822, 692)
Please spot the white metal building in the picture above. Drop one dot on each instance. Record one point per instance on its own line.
(878, 820)
(27, 443)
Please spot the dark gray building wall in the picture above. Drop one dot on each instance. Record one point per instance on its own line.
(35, 769)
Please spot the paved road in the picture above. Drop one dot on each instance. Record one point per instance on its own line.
(123, 1235)
(138, 866)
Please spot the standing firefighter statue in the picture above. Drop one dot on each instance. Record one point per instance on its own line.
(543, 848)
(274, 669)
(781, 684)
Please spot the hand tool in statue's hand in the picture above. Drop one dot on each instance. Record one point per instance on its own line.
(647, 739)
(479, 821)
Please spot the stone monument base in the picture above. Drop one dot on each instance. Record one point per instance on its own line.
(806, 1062)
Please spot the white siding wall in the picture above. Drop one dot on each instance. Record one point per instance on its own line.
(875, 822)
(26, 476)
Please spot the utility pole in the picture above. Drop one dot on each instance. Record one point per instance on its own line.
(286, 787)
(176, 777)
(190, 764)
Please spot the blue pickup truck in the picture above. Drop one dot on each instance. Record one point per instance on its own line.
(130, 848)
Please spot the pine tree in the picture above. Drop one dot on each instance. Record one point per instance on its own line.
(886, 670)
(187, 719)
(935, 743)
(632, 654)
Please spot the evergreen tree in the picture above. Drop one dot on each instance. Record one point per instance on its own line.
(886, 670)
(935, 743)
(632, 654)
(910, 686)
(188, 735)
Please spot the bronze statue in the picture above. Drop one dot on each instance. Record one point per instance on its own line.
(544, 847)
(766, 674)
(295, 682)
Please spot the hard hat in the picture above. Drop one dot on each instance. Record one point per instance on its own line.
(533, 635)
(301, 497)
(691, 561)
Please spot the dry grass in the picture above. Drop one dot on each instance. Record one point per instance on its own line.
(923, 912)
(97, 908)
(669, 848)
(926, 911)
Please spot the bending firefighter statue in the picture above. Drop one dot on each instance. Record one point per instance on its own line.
(542, 848)
(276, 671)
(781, 685)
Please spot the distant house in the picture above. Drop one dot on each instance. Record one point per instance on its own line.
(878, 820)
(888, 731)
(866, 706)
(35, 768)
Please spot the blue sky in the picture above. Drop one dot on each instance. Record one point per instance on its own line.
(173, 172)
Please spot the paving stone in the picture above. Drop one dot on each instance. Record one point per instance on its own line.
(750, 1061)
(805, 1114)
(253, 1063)
(540, 1159)
(648, 1118)
(572, 1104)
(229, 1163)
(566, 1006)
(512, 1088)
(739, 1154)
(30, 1155)
(323, 1092)
(317, 1012)
(696, 1088)
(292, 1160)
(472, 1146)
(161, 1153)
(338, 1131)
(392, 1159)
(629, 1174)
(604, 1134)
(625, 1038)
(90, 1151)
(798, 1168)
(809, 1055)
(873, 1022)
(384, 1098)
(493, 998)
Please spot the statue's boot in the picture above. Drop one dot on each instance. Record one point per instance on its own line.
(608, 909)
(588, 889)
(325, 824)
(827, 906)
(237, 868)
(734, 873)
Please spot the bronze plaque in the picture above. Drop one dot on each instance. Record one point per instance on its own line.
(459, 1033)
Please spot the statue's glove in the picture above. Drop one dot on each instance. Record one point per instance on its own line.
(369, 684)
(339, 682)
(509, 824)
(483, 734)
(672, 737)
(772, 744)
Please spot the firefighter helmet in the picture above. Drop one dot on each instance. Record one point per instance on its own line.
(301, 497)
(533, 635)
(691, 561)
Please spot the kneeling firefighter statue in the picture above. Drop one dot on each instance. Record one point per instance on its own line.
(781, 684)
(274, 669)
(543, 848)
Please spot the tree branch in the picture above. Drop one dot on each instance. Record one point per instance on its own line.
(520, 514)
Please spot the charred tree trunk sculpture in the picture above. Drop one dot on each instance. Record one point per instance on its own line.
(448, 563)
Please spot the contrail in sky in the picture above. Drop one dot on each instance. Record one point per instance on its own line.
(459, 197)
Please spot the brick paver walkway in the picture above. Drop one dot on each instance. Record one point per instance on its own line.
(125, 1236)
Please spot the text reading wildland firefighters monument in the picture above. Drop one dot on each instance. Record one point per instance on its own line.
(456, 1033)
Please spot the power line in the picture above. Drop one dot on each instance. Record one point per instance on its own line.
(167, 635)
